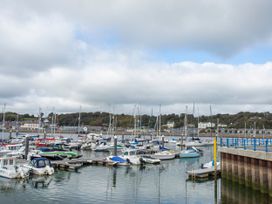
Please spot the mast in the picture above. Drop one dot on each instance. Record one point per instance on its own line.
(3, 122)
(39, 120)
(159, 120)
(55, 119)
(52, 121)
(17, 124)
(185, 124)
(211, 120)
(79, 118)
(197, 122)
(135, 121)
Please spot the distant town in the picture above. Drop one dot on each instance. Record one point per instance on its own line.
(99, 122)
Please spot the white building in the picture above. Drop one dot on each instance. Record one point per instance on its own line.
(170, 124)
(30, 126)
(204, 125)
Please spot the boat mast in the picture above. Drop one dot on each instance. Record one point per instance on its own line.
(17, 124)
(3, 122)
(185, 125)
(55, 119)
(159, 120)
(79, 118)
(197, 122)
(135, 121)
(39, 120)
(52, 121)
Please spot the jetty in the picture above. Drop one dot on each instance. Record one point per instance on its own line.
(75, 164)
(248, 162)
(203, 174)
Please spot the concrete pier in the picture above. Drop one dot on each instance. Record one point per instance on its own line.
(252, 168)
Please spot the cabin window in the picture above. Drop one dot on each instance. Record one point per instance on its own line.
(5, 162)
(41, 164)
(11, 162)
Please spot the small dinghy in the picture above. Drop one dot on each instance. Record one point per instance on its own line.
(150, 160)
(210, 165)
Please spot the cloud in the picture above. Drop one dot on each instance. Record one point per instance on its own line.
(35, 43)
(223, 28)
(123, 82)
(94, 53)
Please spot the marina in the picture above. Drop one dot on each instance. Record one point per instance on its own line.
(152, 182)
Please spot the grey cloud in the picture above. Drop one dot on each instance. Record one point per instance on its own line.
(220, 27)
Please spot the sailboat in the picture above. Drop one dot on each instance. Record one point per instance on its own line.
(188, 152)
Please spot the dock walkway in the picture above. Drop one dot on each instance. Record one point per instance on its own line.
(203, 174)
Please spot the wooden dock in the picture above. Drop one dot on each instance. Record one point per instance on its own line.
(203, 174)
(75, 164)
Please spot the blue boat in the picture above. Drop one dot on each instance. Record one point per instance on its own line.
(118, 160)
(189, 153)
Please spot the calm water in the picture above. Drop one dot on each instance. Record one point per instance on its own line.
(164, 183)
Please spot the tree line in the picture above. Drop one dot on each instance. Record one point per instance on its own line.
(240, 120)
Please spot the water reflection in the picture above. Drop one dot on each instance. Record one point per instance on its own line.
(9, 185)
(164, 183)
(40, 181)
(233, 192)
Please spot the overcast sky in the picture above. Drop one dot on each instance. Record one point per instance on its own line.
(108, 55)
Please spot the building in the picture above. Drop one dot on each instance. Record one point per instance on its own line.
(170, 124)
(204, 125)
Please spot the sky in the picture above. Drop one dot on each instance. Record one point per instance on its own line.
(109, 55)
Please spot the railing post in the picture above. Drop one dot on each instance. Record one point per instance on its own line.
(254, 146)
(244, 143)
(266, 145)
(227, 142)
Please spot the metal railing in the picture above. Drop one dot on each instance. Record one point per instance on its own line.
(255, 144)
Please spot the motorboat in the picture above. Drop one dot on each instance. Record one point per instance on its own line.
(9, 169)
(118, 160)
(149, 160)
(189, 153)
(164, 155)
(210, 165)
(40, 166)
(131, 156)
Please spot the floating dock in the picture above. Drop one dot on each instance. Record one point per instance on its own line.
(75, 164)
(203, 174)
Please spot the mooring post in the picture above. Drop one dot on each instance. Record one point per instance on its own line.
(26, 146)
(123, 139)
(266, 145)
(10, 133)
(254, 147)
(115, 146)
(163, 141)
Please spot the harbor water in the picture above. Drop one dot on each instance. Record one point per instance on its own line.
(164, 183)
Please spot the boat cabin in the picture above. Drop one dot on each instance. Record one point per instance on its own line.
(14, 147)
(40, 162)
(130, 152)
(6, 162)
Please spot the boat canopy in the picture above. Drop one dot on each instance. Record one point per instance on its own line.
(118, 159)
(40, 162)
